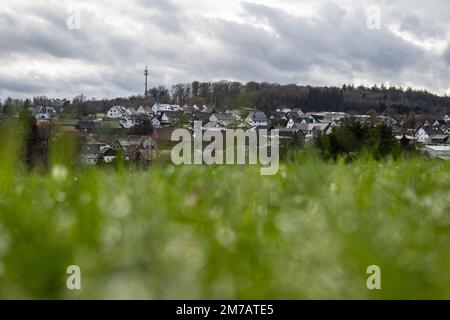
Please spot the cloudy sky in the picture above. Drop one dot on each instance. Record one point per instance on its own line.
(100, 48)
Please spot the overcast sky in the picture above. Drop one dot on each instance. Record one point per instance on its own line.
(317, 42)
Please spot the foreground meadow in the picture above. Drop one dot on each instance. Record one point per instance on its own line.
(191, 232)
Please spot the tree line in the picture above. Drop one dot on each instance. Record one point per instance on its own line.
(263, 96)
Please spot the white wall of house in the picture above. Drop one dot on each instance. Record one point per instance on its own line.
(90, 159)
(141, 110)
(258, 123)
(161, 107)
(127, 123)
(156, 123)
(109, 159)
(422, 136)
(114, 113)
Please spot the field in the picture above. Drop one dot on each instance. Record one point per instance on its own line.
(226, 232)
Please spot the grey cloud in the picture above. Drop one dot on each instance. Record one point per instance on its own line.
(180, 44)
(303, 43)
(162, 5)
(423, 28)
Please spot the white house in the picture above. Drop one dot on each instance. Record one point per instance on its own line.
(421, 135)
(425, 133)
(156, 123)
(141, 110)
(309, 129)
(202, 108)
(284, 110)
(446, 129)
(169, 117)
(296, 119)
(158, 108)
(234, 114)
(43, 113)
(224, 119)
(91, 153)
(130, 111)
(129, 122)
(437, 123)
(257, 119)
(446, 118)
(116, 112)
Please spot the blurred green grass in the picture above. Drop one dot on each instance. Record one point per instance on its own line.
(225, 232)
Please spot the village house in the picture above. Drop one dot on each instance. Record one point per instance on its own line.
(43, 113)
(295, 119)
(109, 155)
(313, 130)
(116, 112)
(446, 128)
(235, 114)
(438, 139)
(215, 125)
(90, 153)
(284, 109)
(130, 112)
(169, 118)
(132, 148)
(199, 116)
(202, 108)
(446, 118)
(223, 119)
(279, 119)
(159, 108)
(141, 111)
(439, 123)
(257, 119)
(156, 123)
(294, 135)
(130, 122)
(425, 134)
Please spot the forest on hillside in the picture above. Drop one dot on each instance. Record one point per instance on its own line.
(265, 97)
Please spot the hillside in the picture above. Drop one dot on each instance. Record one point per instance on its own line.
(265, 97)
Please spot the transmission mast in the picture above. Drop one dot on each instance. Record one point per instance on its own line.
(146, 81)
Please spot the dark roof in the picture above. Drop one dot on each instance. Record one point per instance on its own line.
(431, 131)
(202, 116)
(440, 137)
(110, 152)
(294, 116)
(171, 114)
(223, 116)
(91, 149)
(278, 115)
(258, 116)
(82, 124)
